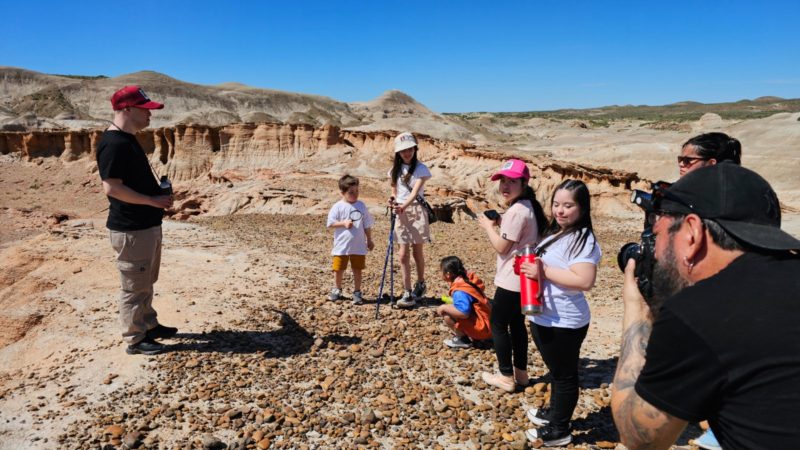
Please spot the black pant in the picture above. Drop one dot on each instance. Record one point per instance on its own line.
(560, 349)
(508, 332)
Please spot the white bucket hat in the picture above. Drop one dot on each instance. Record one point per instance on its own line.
(403, 141)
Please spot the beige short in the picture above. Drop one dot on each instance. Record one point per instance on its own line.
(411, 227)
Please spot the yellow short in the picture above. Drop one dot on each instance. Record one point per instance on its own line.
(358, 262)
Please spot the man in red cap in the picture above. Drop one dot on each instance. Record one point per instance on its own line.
(137, 205)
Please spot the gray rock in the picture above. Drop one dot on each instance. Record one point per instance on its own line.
(211, 442)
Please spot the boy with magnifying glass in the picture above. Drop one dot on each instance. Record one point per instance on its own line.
(352, 237)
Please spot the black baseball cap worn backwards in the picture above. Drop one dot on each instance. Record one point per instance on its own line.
(738, 199)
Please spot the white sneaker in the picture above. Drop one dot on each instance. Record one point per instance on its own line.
(458, 342)
(357, 298)
(550, 436)
(406, 301)
(335, 294)
(538, 417)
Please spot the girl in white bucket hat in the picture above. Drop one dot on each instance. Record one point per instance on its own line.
(408, 176)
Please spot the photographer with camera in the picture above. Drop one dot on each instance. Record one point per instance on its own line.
(724, 344)
(136, 206)
(700, 151)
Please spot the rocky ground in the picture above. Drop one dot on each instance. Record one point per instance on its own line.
(263, 360)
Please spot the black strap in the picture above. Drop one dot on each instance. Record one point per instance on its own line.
(418, 198)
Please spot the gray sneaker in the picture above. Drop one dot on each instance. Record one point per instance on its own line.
(335, 294)
(407, 300)
(358, 299)
(419, 289)
(458, 342)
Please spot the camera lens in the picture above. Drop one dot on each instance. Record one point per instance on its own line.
(628, 251)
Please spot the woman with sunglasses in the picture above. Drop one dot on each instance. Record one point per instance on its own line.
(708, 149)
(700, 151)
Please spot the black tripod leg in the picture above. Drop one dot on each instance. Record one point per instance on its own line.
(391, 272)
(383, 276)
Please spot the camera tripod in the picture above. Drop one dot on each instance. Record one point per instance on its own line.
(389, 257)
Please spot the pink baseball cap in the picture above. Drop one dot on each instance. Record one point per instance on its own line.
(513, 168)
(133, 97)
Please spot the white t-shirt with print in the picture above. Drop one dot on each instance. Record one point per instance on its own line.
(403, 191)
(566, 308)
(351, 241)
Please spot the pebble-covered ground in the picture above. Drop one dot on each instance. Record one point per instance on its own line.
(298, 371)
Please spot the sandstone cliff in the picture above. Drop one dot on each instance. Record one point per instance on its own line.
(292, 168)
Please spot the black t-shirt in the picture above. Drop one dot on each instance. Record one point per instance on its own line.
(119, 155)
(727, 350)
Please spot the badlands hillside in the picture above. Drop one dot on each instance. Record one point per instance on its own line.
(32, 100)
(263, 360)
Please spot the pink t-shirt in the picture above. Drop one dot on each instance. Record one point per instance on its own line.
(518, 225)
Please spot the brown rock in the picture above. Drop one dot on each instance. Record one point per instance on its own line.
(114, 430)
(385, 399)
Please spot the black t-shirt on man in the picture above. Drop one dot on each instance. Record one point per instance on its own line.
(119, 155)
(727, 350)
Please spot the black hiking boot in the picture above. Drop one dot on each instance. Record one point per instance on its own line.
(147, 346)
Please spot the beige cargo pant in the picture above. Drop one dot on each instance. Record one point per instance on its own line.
(138, 260)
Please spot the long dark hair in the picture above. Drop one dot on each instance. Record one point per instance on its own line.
(538, 211)
(454, 266)
(717, 146)
(398, 164)
(582, 226)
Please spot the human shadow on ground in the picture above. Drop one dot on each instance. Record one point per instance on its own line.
(386, 301)
(288, 340)
(592, 373)
(599, 426)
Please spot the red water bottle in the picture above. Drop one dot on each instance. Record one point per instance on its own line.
(529, 294)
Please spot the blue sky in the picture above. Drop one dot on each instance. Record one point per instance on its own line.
(452, 56)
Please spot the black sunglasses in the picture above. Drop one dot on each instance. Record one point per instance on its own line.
(689, 160)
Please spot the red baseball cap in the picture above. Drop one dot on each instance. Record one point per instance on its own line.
(133, 97)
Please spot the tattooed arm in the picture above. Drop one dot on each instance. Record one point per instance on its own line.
(640, 424)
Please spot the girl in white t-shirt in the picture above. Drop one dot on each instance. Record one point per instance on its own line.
(411, 230)
(570, 254)
(520, 225)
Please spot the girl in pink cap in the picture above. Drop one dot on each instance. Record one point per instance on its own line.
(519, 226)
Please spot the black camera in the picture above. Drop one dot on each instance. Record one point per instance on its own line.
(643, 253)
(165, 186)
